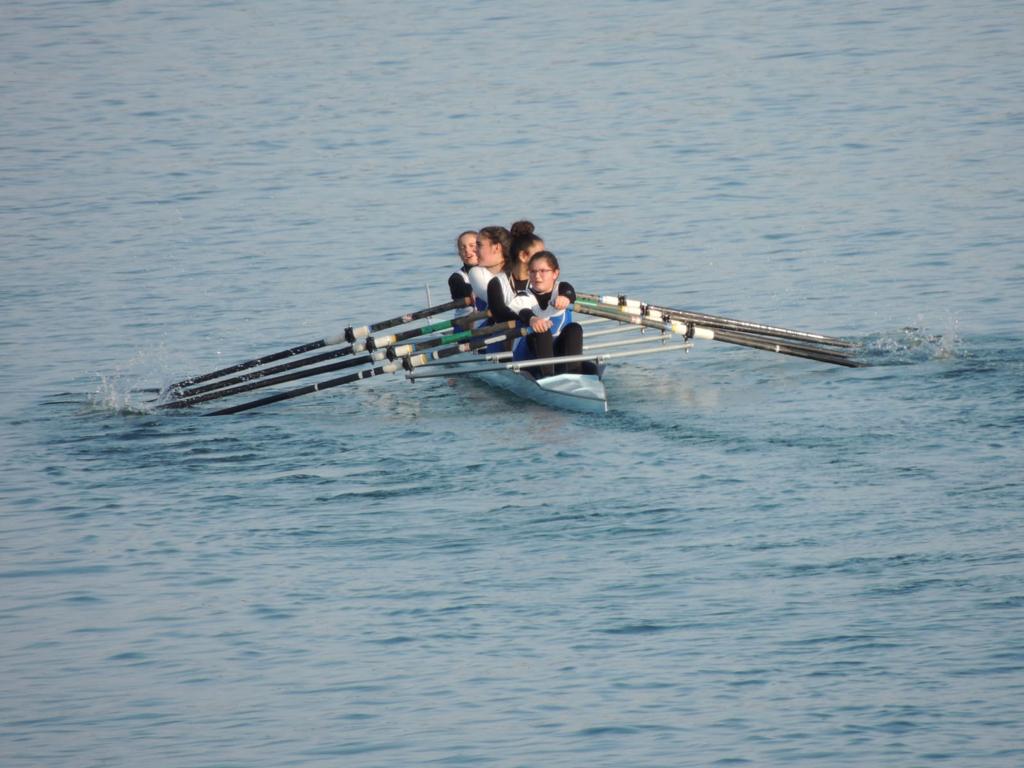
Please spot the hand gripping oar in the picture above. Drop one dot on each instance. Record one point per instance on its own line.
(714, 321)
(389, 367)
(691, 330)
(390, 352)
(350, 335)
(368, 344)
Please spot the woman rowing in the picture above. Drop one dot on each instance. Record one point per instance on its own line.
(493, 245)
(502, 259)
(458, 282)
(489, 279)
(546, 306)
(524, 243)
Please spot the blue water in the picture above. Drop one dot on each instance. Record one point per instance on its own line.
(751, 560)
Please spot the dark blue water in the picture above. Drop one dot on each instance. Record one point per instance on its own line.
(751, 559)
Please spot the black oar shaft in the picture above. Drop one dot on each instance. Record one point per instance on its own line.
(370, 345)
(262, 372)
(792, 349)
(717, 321)
(350, 334)
(187, 402)
(390, 352)
(389, 367)
(299, 350)
(739, 339)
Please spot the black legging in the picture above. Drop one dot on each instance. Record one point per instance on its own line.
(569, 342)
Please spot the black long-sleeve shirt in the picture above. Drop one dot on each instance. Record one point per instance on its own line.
(459, 285)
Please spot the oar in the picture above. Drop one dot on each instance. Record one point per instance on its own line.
(588, 346)
(390, 367)
(350, 335)
(390, 353)
(519, 365)
(507, 330)
(714, 321)
(691, 330)
(369, 344)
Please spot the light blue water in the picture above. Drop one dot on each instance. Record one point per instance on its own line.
(751, 560)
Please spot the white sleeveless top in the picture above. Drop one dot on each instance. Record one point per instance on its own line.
(480, 277)
(527, 299)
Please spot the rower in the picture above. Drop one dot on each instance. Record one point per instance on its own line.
(492, 251)
(489, 278)
(458, 281)
(525, 243)
(546, 306)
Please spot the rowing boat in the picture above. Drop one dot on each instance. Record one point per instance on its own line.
(452, 349)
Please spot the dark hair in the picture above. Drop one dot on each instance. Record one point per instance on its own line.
(548, 256)
(462, 235)
(502, 237)
(523, 237)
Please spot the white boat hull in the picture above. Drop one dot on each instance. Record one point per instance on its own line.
(569, 391)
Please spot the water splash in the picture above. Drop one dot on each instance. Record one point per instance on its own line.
(913, 344)
(118, 393)
(135, 387)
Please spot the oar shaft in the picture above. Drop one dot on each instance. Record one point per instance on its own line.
(389, 353)
(184, 394)
(389, 367)
(500, 357)
(499, 332)
(715, 321)
(793, 350)
(187, 402)
(349, 334)
(369, 344)
(543, 361)
(701, 332)
(299, 350)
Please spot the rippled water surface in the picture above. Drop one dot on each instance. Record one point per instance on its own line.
(752, 559)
